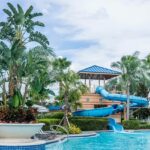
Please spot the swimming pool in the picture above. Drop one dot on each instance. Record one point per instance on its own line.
(106, 141)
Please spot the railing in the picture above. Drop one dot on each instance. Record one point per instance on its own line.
(59, 126)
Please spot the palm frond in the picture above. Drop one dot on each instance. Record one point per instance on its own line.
(20, 10)
(28, 12)
(7, 12)
(13, 9)
(35, 15)
(40, 38)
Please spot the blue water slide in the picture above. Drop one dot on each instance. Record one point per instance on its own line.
(106, 111)
(134, 100)
(113, 125)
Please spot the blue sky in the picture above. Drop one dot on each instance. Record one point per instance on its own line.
(95, 32)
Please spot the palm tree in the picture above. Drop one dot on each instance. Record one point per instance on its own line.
(20, 25)
(146, 71)
(71, 91)
(129, 65)
(37, 73)
(17, 31)
(115, 84)
(60, 65)
(75, 95)
(19, 66)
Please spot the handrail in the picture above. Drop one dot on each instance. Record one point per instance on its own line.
(59, 126)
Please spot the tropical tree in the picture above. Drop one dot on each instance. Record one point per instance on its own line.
(75, 94)
(129, 65)
(71, 90)
(21, 68)
(15, 33)
(37, 73)
(60, 65)
(115, 84)
(146, 72)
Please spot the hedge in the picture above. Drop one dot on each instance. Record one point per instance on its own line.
(85, 124)
(54, 115)
(135, 124)
(89, 124)
(131, 124)
(48, 122)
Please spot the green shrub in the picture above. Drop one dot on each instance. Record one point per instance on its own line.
(144, 125)
(131, 124)
(55, 115)
(83, 123)
(48, 122)
(73, 129)
(89, 124)
(58, 115)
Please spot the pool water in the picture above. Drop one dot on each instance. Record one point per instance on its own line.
(106, 141)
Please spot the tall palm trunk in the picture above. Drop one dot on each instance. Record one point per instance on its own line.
(12, 80)
(128, 101)
(11, 87)
(66, 122)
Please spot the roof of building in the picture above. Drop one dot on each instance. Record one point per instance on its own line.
(98, 72)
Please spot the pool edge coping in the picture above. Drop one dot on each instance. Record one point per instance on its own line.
(64, 137)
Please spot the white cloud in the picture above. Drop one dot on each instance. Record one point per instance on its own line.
(117, 27)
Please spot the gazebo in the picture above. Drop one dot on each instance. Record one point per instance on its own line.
(97, 73)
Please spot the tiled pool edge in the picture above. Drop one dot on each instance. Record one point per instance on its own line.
(39, 145)
(64, 137)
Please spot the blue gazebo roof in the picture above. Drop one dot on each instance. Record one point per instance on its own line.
(98, 72)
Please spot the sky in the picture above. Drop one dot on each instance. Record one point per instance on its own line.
(93, 32)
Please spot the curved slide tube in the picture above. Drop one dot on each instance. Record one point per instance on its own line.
(106, 111)
(115, 126)
(135, 100)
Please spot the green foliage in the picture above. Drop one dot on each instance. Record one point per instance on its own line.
(129, 66)
(73, 129)
(79, 123)
(89, 124)
(142, 90)
(29, 103)
(52, 115)
(31, 68)
(38, 37)
(131, 124)
(135, 124)
(17, 99)
(135, 72)
(49, 122)
(145, 126)
(142, 113)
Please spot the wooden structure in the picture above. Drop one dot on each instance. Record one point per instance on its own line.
(92, 100)
(97, 73)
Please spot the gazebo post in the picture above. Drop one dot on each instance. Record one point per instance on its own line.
(85, 79)
(90, 82)
(99, 81)
(104, 81)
